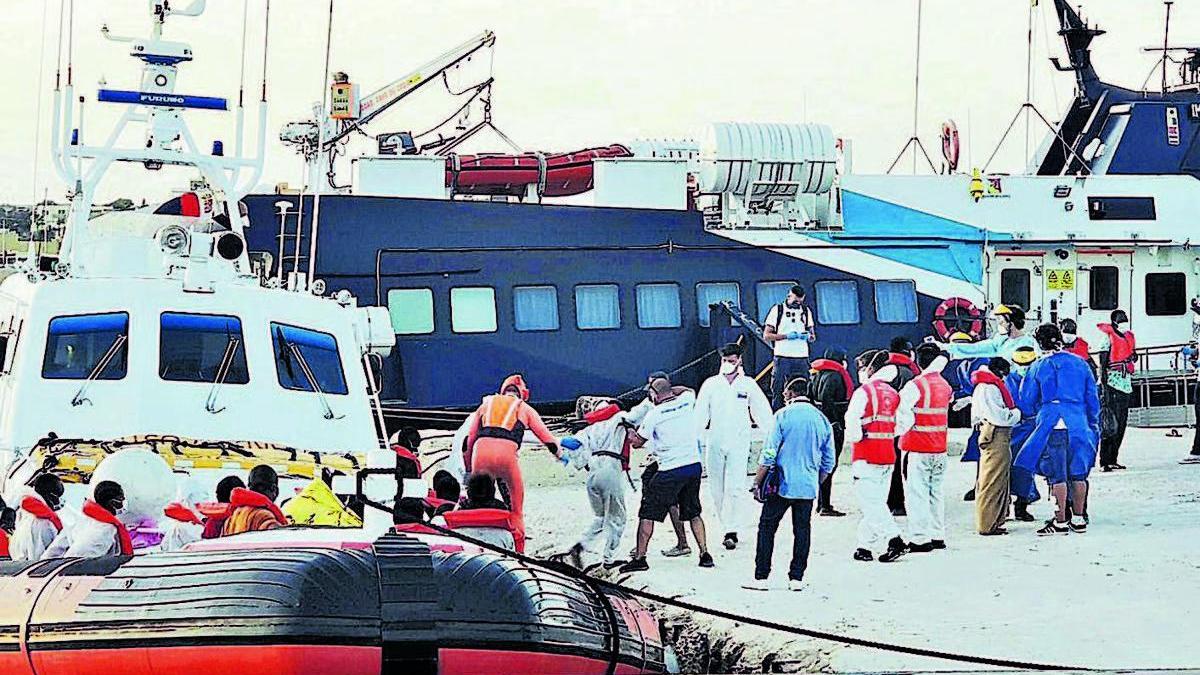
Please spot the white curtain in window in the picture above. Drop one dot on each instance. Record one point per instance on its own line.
(535, 308)
(597, 306)
(769, 294)
(895, 302)
(658, 306)
(837, 302)
(711, 294)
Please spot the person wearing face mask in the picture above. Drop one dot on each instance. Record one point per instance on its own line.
(1118, 354)
(728, 403)
(871, 428)
(1072, 342)
(900, 354)
(790, 329)
(37, 521)
(922, 422)
(1021, 482)
(1008, 336)
(994, 413)
(253, 507)
(100, 532)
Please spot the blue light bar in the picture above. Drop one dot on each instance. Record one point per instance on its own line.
(162, 100)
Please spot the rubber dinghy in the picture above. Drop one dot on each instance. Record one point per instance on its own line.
(394, 606)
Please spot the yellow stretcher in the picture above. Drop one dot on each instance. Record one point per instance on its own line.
(74, 460)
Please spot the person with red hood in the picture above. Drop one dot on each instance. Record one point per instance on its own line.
(253, 507)
(1072, 342)
(830, 389)
(1118, 356)
(492, 444)
(900, 354)
(100, 532)
(215, 513)
(37, 522)
(994, 413)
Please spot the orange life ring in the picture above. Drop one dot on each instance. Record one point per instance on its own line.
(957, 315)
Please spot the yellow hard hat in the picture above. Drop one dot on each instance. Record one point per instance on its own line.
(960, 337)
(1024, 356)
(1001, 310)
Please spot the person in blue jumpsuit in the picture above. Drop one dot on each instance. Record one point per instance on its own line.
(1021, 482)
(1059, 392)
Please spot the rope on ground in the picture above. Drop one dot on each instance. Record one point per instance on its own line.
(753, 621)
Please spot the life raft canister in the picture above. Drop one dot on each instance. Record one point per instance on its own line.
(957, 315)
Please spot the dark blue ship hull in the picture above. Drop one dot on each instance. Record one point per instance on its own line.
(371, 245)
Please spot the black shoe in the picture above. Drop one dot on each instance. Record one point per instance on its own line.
(899, 511)
(970, 496)
(1118, 467)
(614, 564)
(1106, 468)
(863, 555)
(896, 548)
(938, 544)
(994, 533)
(920, 548)
(635, 565)
(1021, 513)
(1052, 527)
(830, 511)
(1079, 525)
(706, 560)
(731, 540)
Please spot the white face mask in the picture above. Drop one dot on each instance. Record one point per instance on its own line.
(1122, 325)
(863, 376)
(1069, 338)
(728, 368)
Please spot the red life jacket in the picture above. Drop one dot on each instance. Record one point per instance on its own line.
(3, 544)
(498, 518)
(96, 512)
(177, 511)
(244, 497)
(404, 454)
(903, 360)
(1080, 348)
(826, 364)
(415, 528)
(879, 424)
(931, 412)
(215, 514)
(988, 377)
(37, 508)
(1123, 352)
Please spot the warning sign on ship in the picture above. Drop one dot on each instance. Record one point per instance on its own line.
(1060, 279)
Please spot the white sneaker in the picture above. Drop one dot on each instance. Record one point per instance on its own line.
(797, 585)
(756, 585)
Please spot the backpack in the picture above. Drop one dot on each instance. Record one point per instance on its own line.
(770, 485)
(808, 322)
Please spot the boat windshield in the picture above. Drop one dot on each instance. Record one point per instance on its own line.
(298, 350)
(194, 347)
(75, 346)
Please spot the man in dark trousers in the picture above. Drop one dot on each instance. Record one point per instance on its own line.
(1118, 356)
(900, 354)
(790, 329)
(830, 389)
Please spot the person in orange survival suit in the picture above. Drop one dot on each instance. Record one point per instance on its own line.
(500, 424)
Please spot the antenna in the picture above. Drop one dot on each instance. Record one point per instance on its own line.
(914, 140)
(321, 123)
(1166, 43)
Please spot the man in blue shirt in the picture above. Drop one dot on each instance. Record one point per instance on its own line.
(800, 447)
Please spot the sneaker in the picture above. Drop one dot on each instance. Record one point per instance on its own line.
(731, 541)
(635, 565)
(920, 548)
(796, 585)
(1106, 468)
(677, 551)
(899, 512)
(830, 511)
(864, 555)
(1119, 467)
(970, 496)
(756, 585)
(706, 560)
(1052, 527)
(1078, 524)
(896, 549)
(1190, 459)
(938, 544)
(614, 564)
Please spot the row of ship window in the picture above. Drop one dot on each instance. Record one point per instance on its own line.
(473, 309)
(1166, 292)
(208, 348)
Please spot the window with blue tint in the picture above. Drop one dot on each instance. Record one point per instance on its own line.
(896, 301)
(78, 345)
(597, 307)
(658, 306)
(535, 308)
(713, 293)
(837, 302)
(299, 352)
(201, 348)
(411, 310)
(473, 309)
(770, 293)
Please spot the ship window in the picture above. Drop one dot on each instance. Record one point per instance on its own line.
(597, 307)
(1104, 287)
(658, 306)
(837, 302)
(896, 301)
(713, 293)
(535, 308)
(1014, 287)
(78, 345)
(770, 293)
(299, 352)
(411, 310)
(1121, 208)
(473, 309)
(1166, 294)
(198, 347)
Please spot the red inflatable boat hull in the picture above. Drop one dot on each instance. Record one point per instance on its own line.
(565, 174)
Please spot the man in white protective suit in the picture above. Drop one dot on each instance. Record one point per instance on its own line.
(602, 448)
(100, 531)
(727, 404)
(37, 518)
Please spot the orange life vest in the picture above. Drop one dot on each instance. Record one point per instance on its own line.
(931, 413)
(879, 424)
(1122, 352)
(500, 417)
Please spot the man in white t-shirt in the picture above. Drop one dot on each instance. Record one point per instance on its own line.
(671, 426)
(790, 329)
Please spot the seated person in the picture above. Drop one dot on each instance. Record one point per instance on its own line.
(254, 508)
(216, 513)
(445, 494)
(481, 493)
(100, 532)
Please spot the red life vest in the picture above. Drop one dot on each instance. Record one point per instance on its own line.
(826, 364)
(1123, 352)
(3, 544)
(903, 360)
(177, 511)
(37, 508)
(878, 424)
(1080, 348)
(988, 377)
(96, 512)
(502, 519)
(244, 497)
(931, 413)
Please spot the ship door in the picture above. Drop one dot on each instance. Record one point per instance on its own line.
(1105, 283)
(1016, 279)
